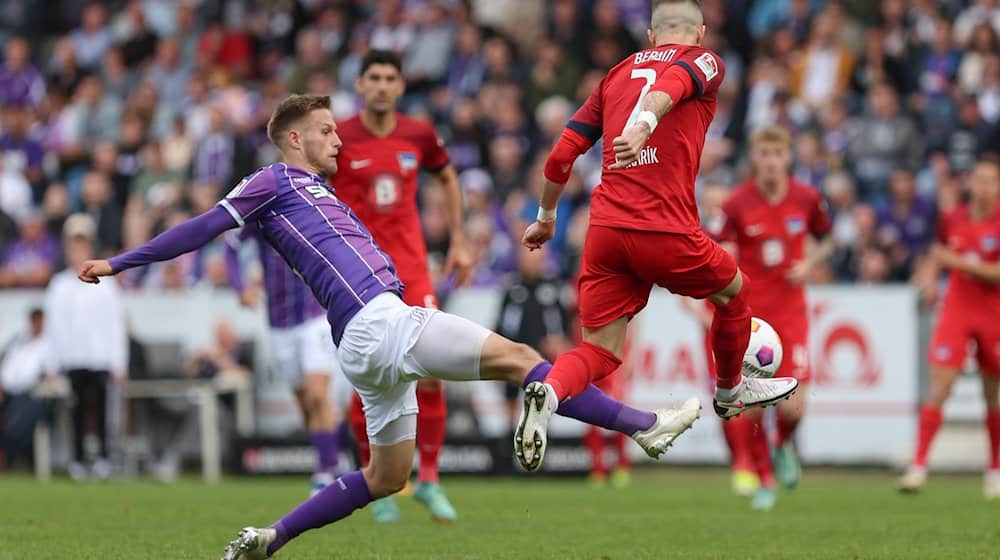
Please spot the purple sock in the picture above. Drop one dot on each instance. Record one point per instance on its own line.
(593, 406)
(327, 446)
(333, 503)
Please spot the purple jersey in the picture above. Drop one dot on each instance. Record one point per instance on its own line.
(22, 88)
(289, 300)
(318, 236)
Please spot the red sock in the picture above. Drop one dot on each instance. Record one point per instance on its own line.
(786, 428)
(737, 432)
(761, 453)
(431, 429)
(621, 445)
(594, 440)
(358, 425)
(580, 367)
(993, 428)
(730, 335)
(930, 421)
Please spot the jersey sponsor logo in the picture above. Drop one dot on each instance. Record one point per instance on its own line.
(656, 56)
(361, 163)
(238, 188)
(988, 243)
(407, 161)
(646, 157)
(303, 180)
(708, 65)
(795, 225)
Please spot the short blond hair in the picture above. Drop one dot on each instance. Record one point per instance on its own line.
(673, 21)
(774, 133)
(293, 108)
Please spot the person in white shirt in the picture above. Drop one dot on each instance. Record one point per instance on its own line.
(24, 361)
(86, 329)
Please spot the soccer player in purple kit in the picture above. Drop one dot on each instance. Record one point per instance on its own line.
(301, 350)
(383, 345)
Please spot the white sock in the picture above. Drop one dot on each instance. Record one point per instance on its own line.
(554, 397)
(725, 395)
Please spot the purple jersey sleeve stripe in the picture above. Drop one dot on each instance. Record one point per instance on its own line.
(232, 212)
(322, 257)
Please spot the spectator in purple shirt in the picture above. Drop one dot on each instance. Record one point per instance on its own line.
(20, 82)
(905, 224)
(21, 152)
(30, 261)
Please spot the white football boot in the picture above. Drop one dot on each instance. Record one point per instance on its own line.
(755, 392)
(531, 434)
(250, 544)
(912, 480)
(991, 484)
(670, 424)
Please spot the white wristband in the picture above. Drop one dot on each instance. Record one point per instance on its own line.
(546, 216)
(649, 118)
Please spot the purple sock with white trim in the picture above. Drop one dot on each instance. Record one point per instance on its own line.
(595, 407)
(335, 502)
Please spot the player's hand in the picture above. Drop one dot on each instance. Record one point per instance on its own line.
(459, 261)
(629, 144)
(799, 272)
(250, 297)
(537, 234)
(946, 257)
(91, 271)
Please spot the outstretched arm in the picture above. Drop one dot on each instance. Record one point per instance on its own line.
(182, 238)
(571, 145)
(459, 260)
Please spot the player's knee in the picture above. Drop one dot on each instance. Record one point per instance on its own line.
(523, 359)
(385, 481)
(430, 384)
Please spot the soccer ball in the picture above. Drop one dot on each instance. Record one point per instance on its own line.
(764, 353)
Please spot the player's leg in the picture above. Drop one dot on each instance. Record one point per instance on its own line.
(384, 510)
(765, 496)
(456, 349)
(794, 336)
(392, 459)
(320, 366)
(621, 476)
(736, 432)
(431, 429)
(609, 295)
(947, 354)
(988, 358)
(593, 439)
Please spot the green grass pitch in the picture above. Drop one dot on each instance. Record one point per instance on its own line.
(666, 513)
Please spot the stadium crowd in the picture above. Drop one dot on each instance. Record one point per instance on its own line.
(143, 113)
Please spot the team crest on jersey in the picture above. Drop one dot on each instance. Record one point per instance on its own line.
(407, 161)
(795, 225)
(988, 243)
(708, 65)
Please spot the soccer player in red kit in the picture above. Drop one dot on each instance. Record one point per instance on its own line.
(769, 220)
(379, 168)
(969, 246)
(644, 225)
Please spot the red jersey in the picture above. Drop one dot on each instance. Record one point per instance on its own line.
(656, 193)
(974, 240)
(377, 177)
(770, 238)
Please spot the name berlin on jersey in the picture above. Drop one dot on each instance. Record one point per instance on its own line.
(646, 157)
(658, 56)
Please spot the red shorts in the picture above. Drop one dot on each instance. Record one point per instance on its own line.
(794, 334)
(955, 329)
(620, 267)
(418, 291)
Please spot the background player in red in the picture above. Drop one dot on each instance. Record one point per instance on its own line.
(380, 164)
(644, 225)
(969, 246)
(769, 220)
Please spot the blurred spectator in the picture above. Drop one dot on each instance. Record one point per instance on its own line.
(534, 311)
(971, 70)
(86, 330)
(905, 224)
(466, 70)
(93, 38)
(21, 84)
(969, 138)
(137, 41)
(886, 139)
(824, 69)
(214, 155)
(169, 73)
(24, 362)
(63, 72)
(811, 164)
(310, 58)
(976, 12)
(30, 261)
(21, 152)
(15, 194)
(426, 58)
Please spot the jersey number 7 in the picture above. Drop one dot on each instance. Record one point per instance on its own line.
(649, 75)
